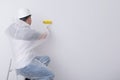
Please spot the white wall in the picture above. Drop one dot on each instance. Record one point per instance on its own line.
(85, 40)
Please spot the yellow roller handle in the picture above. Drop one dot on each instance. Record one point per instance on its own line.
(47, 21)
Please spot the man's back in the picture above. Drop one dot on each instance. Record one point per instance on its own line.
(24, 39)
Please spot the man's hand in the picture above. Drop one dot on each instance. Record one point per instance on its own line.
(43, 35)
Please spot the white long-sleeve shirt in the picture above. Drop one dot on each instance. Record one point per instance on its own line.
(24, 41)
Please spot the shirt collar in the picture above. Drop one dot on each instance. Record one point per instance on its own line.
(22, 23)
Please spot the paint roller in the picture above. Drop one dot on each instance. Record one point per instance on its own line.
(47, 22)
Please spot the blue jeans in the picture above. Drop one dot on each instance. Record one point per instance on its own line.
(37, 69)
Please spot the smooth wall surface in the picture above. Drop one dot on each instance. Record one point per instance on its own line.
(85, 37)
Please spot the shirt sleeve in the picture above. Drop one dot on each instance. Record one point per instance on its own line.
(28, 34)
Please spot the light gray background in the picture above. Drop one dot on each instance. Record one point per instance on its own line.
(85, 40)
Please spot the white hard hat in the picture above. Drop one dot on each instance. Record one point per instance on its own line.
(23, 13)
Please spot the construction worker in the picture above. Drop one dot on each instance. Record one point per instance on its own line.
(25, 40)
